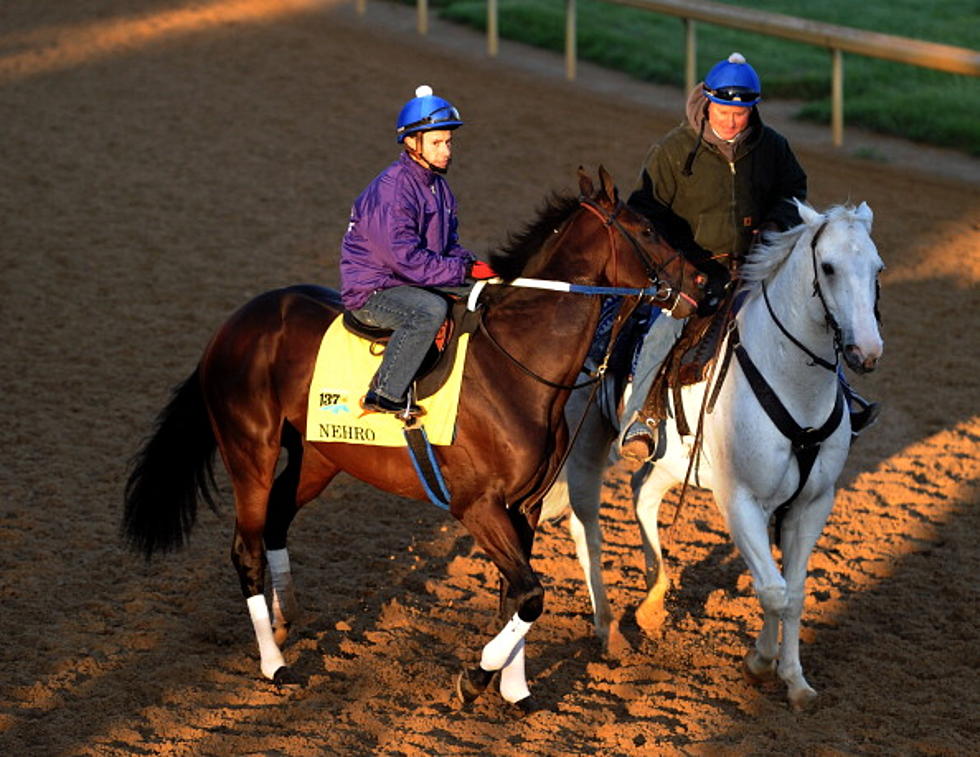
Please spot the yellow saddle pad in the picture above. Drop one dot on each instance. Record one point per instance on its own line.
(344, 368)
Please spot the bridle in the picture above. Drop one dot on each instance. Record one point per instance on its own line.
(661, 291)
(665, 289)
(829, 318)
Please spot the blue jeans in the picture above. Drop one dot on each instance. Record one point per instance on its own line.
(656, 344)
(415, 315)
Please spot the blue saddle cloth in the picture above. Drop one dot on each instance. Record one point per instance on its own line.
(626, 351)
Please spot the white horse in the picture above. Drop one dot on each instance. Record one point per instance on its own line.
(809, 297)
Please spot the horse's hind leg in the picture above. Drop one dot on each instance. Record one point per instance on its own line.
(283, 506)
(302, 478)
(251, 462)
(252, 488)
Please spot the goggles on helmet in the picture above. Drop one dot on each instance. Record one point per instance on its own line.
(733, 95)
(443, 115)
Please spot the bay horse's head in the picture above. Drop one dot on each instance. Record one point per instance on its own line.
(846, 265)
(640, 256)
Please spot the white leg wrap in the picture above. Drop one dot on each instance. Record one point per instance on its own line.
(513, 683)
(498, 650)
(272, 658)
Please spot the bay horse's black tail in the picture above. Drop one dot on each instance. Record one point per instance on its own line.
(174, 468)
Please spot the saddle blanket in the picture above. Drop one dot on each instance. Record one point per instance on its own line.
(343, 372)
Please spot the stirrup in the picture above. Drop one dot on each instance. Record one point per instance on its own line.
(374, 402)
(864, 418)
(639, 442)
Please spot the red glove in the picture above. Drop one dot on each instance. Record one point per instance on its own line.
(481, 270)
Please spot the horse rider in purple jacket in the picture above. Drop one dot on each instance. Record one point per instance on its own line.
(401, 242)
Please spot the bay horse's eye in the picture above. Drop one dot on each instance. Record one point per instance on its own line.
(827, 268)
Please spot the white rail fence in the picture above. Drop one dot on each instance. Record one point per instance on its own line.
(836, 39)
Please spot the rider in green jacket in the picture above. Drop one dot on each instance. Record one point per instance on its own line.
(711, 186)
(722, 175)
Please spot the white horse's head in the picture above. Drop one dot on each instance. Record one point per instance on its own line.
(846, 268)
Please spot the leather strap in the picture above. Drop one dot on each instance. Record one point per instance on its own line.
(426, 466)
(805, 441)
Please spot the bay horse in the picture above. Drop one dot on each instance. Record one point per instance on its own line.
(247, 399)
(810, 296)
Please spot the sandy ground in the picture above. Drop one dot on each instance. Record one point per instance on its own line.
(159, 168)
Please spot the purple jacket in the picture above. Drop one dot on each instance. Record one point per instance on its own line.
(402, 231)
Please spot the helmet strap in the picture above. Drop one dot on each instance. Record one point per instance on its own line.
(418, 156)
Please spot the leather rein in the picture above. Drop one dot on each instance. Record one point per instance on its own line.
(661, 291)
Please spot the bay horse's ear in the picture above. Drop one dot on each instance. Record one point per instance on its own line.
(585, 186)
(608, 185)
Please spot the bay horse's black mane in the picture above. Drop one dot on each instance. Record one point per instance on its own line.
(510, 260)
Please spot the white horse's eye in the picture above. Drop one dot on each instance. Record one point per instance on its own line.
(827, 268)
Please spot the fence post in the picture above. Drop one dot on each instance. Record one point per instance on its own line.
(690, 54)
(493, 35)
(423, 16)
(837, 96)
(570, 40)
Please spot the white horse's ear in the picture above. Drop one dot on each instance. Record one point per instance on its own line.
(809, 215)
(864, 214)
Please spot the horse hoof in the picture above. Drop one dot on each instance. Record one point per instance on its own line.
(526, 706)
(757, 669)
(616, 644)
(471, 683)
(802, 699)
(284, 676)
(651, 616)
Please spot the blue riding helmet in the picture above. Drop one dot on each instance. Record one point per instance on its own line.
(425, 112)
(733, 82)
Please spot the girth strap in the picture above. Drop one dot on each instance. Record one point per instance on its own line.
(805, 441)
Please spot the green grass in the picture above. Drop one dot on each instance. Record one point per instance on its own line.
(891, 98)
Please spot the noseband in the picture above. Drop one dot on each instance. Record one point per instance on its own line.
(665, 289)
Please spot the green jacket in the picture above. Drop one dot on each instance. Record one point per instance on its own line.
(711, 202)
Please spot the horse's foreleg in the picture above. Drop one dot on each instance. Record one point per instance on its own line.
(513, 680)
(800, 532)
(649, 489)
(749, 528)
(506, 536)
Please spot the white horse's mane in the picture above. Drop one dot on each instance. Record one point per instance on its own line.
(774, 248)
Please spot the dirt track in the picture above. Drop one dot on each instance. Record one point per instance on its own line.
(158, 170)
